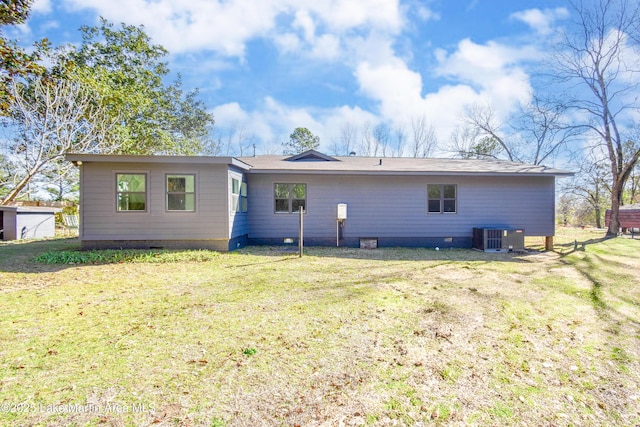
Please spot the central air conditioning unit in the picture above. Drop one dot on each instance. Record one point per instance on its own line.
(496, 239)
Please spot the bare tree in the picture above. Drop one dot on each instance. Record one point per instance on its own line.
(597, 63)
(400, 140)
(591, 184)
(423, 137)
(469, 142)
(347, 140)
(381, 135)
(633, 187)
(52, 118)
(535, 134)
(273, 148)
(236, 140)
(60, 180)
(483, 122)
(367, 142)
(541, 129)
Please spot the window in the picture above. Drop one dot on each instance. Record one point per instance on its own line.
(442, 198)
(181, 193)
(238, 195)
(290, 197)
(243, 197)
(131, 192)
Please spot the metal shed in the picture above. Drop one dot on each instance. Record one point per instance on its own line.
(27, 222)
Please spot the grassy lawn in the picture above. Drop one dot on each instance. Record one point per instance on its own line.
(339, 337)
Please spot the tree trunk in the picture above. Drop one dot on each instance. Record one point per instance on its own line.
(598, 217)
(16, 190)
(614, 220)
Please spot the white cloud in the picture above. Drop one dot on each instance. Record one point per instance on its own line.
(304, 21)
(223, 26)
(288, 42)
(326, 47)
(490, 73)
(427, 14)
(362, 34)
(41, 6)
(272, 122)
(226, 26)
(49, 25)
(492, 69)
(396, 87)
(541, 20)
(343, 15)
(399, 92)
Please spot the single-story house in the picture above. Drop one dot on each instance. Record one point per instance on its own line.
(224, 203)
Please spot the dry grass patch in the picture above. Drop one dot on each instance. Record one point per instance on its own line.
(384, 337)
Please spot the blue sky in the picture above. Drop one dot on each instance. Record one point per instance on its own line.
(265, 67)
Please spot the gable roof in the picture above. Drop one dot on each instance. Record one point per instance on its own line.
(397, 166)
(311, 156)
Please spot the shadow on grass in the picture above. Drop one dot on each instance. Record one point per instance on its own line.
(18, 256)
(577, 246)
(586, 267)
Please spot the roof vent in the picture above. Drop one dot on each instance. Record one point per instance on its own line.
(380, 162)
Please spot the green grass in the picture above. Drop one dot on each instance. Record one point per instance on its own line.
(262, 337)
(123, 256)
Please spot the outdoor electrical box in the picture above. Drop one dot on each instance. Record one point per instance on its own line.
(342, 216)
(342, 211)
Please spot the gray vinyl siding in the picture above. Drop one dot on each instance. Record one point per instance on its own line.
(101, 221)
(396, 206)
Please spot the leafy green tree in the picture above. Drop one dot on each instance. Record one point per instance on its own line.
(106, 95)
(14, 61)
(127, 71)
(301, 140)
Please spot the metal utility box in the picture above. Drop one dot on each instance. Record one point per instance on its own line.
(342, 211)
(498, 239)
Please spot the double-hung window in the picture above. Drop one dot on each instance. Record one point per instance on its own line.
(131, 193)
(238, 195)
(181, 192)
(441, 198)
(290, 197)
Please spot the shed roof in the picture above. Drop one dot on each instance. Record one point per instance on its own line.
(116, 158)
(30, 209)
